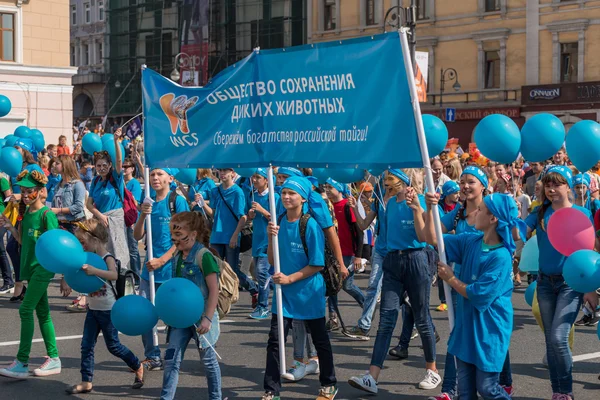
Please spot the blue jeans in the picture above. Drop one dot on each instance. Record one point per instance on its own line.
(232, 256)
(559, 305)
(14, 252)
(472, 381)
(261, 269)
(449, 385)
(96, 322)
(134, 253)
(411, 272)
(372, 292)
(178, 342)
(151, 352)
(302, 340)
(4, 263)
(349, 287)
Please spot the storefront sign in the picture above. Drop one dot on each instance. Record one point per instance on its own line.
(480, 113)
(564, 93)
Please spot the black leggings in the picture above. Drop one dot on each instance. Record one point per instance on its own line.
(14, 252)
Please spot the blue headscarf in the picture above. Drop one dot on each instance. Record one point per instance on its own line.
(581, 179)
(565, 172)
(400, 175)
(289, 171)
(313, 180)
(477, 173)
(25, 144)
(340, 187)
(503, 207)
(299, 185)
(449, 188)
(169, 171)
(264, 172)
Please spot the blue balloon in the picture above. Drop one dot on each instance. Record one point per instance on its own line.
(10, 140)
(59, 251)
(179, 303)
(541, 137)
(91, 143)
(583, 144)
(436, 134)
(109, 146)
(346, 175)
(245, 172)
(5, 105)
(530, 293)
(530, 256)
(186, 175)
(22, 131)
(11, 161)
(108, 137)
(133, 315)
(321, 174)
(38, 139)
(582, 271)
(2, 143)
(498, 138)
(79, 281)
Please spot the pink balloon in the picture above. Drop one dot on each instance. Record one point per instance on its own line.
(570, 230)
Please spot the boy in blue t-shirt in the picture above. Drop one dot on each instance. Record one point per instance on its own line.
(302, 286)
(160, 212)
(260, 215)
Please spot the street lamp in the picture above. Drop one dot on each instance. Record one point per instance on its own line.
(448, 74)
(179, 61)
(409, 15)
(118, 84)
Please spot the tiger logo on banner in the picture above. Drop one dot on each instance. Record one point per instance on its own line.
(176, 108)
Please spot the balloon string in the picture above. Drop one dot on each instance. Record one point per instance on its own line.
(208, 343)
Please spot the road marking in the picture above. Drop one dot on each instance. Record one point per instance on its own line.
(588, 356)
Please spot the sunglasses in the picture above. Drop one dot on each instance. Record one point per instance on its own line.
(127, 166)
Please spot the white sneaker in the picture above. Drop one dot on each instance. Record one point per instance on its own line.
(296, 373)
(364, 382)
(431, 380)
(312, 368)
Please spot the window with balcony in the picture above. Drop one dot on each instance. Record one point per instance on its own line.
(422, 10)
(492, 5)
(569, 57)
(86, 55)
(100, 10)
(87, 12)
(492, 69)
(7, 37)
(100, 53)
(74, 14)
(329, 14)
(372, 12)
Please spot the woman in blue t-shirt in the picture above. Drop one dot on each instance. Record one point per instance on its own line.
(559, 303)
(105, 201)
(302, 286)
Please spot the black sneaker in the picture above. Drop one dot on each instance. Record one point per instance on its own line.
(585, 320)
(332, 324)
(356, 332)
(6, 288)
(593, 321)
(152, 365)
(399, 352)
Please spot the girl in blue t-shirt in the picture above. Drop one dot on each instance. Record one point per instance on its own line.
(302, 286)
(199, 192)
(583, 198)
(558, 302)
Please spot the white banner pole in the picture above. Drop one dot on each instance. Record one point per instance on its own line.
(149, 250)
(276, 266)
(426, 164)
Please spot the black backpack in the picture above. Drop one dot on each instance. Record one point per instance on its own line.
(125, 283)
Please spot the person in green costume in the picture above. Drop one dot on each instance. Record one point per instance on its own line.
(36, 220)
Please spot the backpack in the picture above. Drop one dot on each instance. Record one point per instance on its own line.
(125, 283)
(331, 271)
(129, 204)
(229, 292)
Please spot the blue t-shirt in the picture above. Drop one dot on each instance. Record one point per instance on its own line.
(161, 235)
(136, 190)
(304, 299)
(381, 229)
(105, 195)
(260, 241)
(551, 261)
(462, 226)
(401, 234)
(483, 321)
(202, 186)
(224, 221)
(53, 182)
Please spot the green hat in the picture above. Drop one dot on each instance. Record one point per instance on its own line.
(29, 182)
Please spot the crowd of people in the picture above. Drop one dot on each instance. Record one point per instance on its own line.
(384, 223)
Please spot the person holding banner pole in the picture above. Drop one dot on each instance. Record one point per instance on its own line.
(156, 213)
(302, 287)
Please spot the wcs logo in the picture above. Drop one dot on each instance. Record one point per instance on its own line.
(176, 108)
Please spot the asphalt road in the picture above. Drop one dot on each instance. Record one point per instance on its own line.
(242, 346)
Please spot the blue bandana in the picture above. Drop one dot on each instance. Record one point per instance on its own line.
(289, 171)
(503, 207)
(262, 172)
(581, 179)
(565, 172)
(299, 185)
(169, 171)
(313, 180)
(340, 187)
(477, 173)
(25, 144)
(449, 188)
(400, 175)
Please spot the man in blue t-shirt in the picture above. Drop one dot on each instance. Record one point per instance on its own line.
(160, 212)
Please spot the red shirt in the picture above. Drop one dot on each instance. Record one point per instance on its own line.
(343, 228)
(60, 150)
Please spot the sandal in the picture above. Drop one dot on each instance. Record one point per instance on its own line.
(78, 308)
(74, 390)
(137, 383)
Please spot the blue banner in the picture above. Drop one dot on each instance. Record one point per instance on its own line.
(343, 104)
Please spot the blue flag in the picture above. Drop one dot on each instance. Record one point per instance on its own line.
(342, 104)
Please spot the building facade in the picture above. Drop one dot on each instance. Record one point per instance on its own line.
(35, 71)
(87, 51)
(498, 51)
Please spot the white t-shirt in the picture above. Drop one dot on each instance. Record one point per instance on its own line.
(103, 299)
(525, 204)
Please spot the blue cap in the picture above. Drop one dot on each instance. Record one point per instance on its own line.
(25, 144)
(340, 187)
(449, 188)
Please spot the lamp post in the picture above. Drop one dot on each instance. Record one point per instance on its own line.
(409, 14)
(448, 74)
(178, 63)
